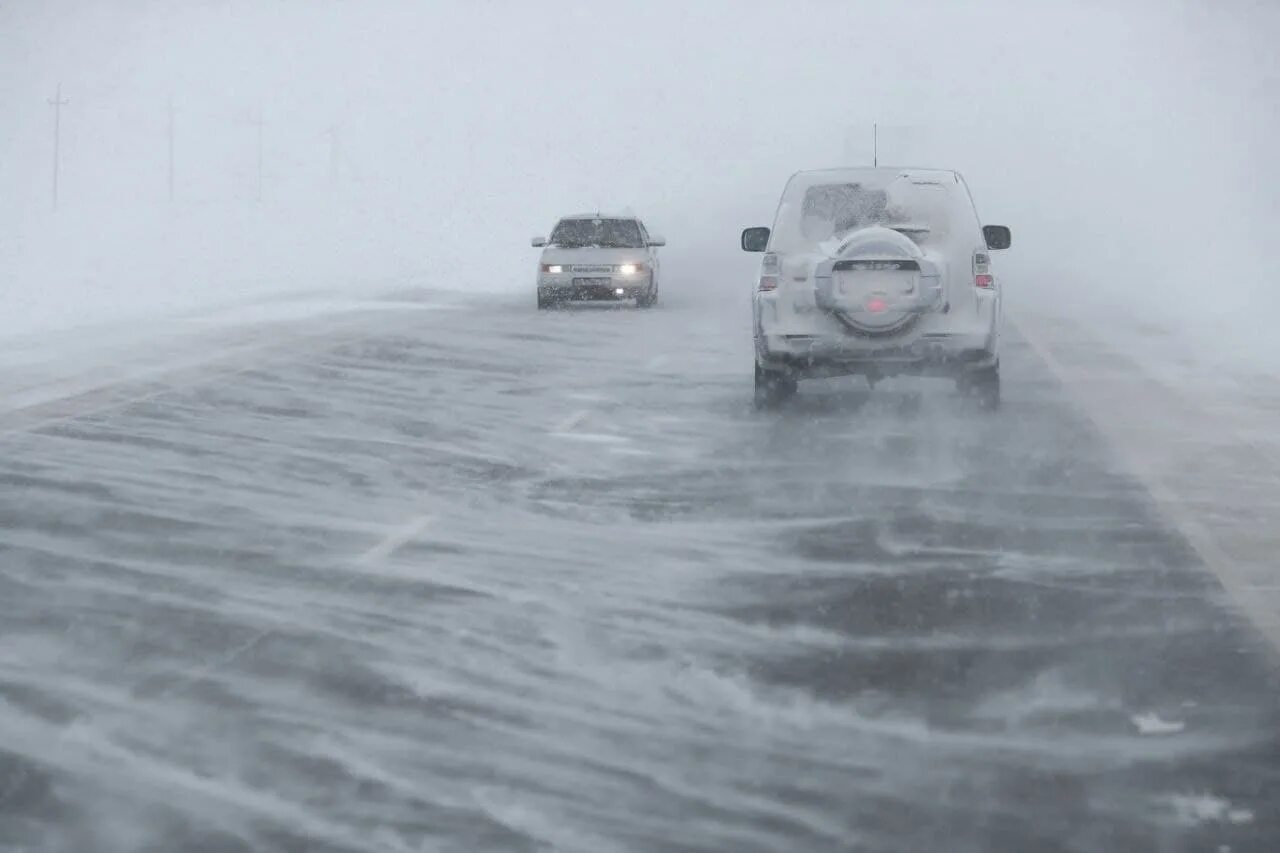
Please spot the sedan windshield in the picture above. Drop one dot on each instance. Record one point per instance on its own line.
(604, 233)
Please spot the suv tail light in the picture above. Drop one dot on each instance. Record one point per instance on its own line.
(982, 277)
(768, 272)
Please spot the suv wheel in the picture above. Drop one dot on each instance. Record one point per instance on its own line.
(983, 386)
(773, 388)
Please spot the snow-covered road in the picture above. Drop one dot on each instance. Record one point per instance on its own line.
(483, 578)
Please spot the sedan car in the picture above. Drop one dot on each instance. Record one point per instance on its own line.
(594, 257)
(876, 272)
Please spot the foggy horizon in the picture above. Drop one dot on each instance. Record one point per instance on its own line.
(459, 133)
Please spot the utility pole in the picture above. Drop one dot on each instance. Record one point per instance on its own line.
(171, 155)
(256, 121)
(875, 144)
(57, 103)
(332, 132)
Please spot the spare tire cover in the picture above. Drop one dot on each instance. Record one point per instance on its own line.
(874, 316)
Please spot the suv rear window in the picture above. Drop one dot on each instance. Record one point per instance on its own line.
(814, 212)
(604, 233)
(843, 207)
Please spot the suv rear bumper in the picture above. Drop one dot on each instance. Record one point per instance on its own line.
(927, 355)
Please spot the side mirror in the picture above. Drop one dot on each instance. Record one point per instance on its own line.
(755, 239)
(657, 241)
(997, 236)
(538, 242)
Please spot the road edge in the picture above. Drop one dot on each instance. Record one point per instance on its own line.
(1170, 504)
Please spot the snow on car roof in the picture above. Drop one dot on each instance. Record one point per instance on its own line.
(882, 172)
(599, 215)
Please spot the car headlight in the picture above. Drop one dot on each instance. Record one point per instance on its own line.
(553, 269)
(630, 269)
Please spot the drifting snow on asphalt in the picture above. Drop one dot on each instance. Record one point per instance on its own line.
(494, 579)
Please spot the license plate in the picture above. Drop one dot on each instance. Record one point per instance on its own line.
(591, 282)
(861, 284)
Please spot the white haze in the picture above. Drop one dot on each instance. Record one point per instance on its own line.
(1128, 145)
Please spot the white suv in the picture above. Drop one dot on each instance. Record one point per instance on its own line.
(876, 272)
(592, 256)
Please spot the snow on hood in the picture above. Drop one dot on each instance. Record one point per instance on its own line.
(593, 255)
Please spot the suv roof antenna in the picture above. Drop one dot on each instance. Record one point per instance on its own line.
(875, 145)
